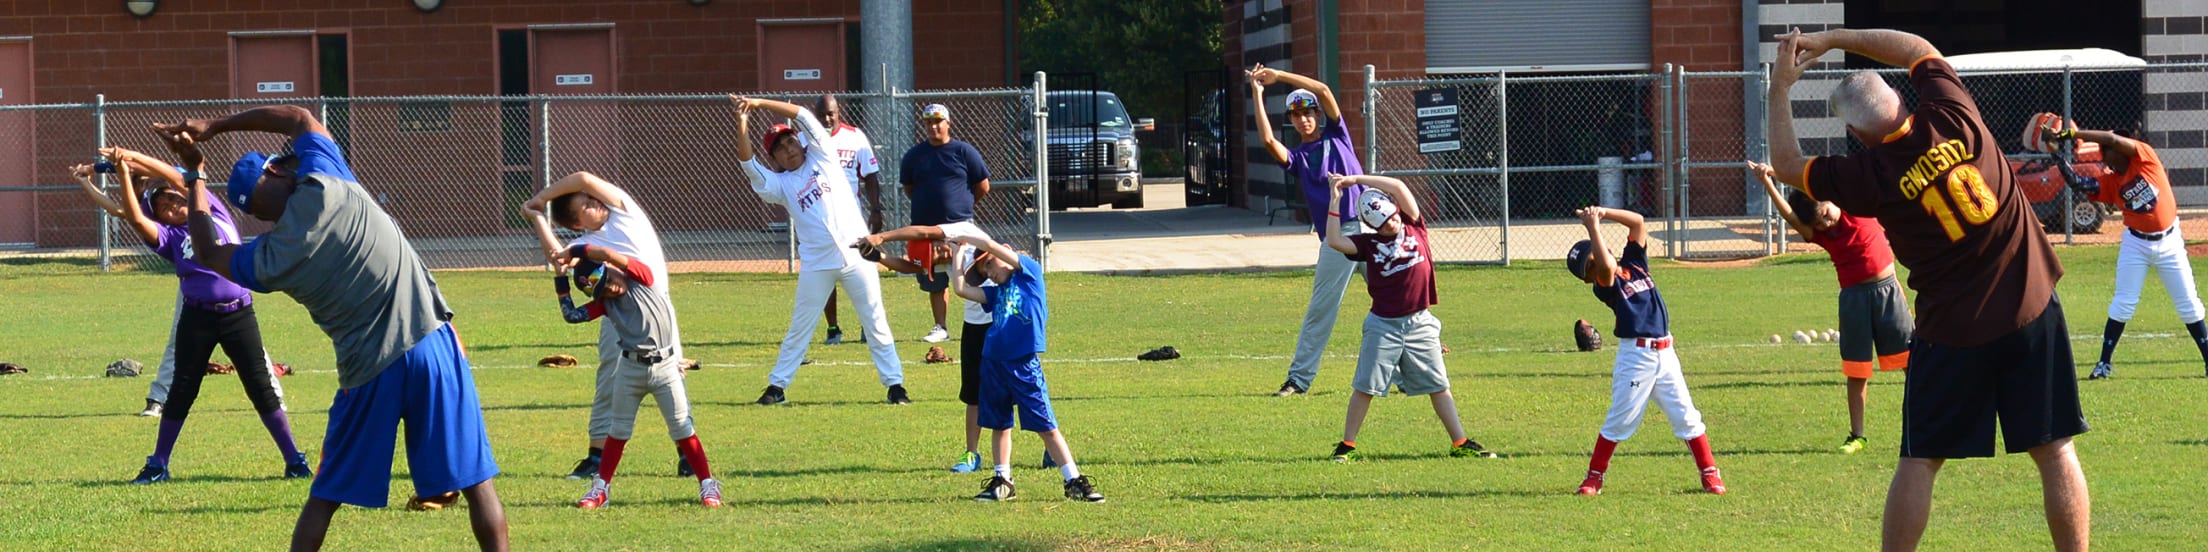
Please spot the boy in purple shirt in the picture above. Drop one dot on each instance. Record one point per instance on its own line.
(1325, 149)
(1402, 346)
(214, 312)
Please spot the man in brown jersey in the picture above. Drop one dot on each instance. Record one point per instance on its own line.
(1990, 341)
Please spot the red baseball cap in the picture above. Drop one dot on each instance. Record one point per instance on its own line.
(774, 134)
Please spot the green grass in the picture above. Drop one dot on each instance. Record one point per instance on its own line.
(1192, 453)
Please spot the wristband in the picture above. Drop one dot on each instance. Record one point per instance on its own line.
(579, 250)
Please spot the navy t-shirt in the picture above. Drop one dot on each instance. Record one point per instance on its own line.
(1021, 311)
(1632, 295)
(942, 179)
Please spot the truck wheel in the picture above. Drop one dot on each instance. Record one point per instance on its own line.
(2085, 216)
(1129, 202)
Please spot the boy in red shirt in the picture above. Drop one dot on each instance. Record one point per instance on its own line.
(1874, 313)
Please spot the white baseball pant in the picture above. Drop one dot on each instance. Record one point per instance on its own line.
(1641, 373)
(864, 282)
(2167, 257)
(165, 374)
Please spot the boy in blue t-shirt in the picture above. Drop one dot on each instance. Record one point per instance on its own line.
(1011, 368)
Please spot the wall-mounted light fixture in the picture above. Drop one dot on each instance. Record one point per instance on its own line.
(428, 5)
(141, 8)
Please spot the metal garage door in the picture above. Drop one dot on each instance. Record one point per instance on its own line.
(1478, 36)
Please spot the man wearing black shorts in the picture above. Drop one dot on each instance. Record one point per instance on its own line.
(1990, 342)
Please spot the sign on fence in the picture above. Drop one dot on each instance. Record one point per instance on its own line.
(1437, 121)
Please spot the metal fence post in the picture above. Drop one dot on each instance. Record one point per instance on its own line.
(107, 223)
(1372, 123)
(1665, 146)
(1686, 199)
(2069, 199)
(1502, 150)
(1042, 170)
(1759, 136)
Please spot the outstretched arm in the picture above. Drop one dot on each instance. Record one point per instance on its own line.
(1636, 229)
(288, 120)
(83, 174)
(1325, 93)
(1787, 163)
(743, 127)
(132, 213)
(1887, 46)
(580, 181)
(2109, 141)
(991, 248)
(568, 311)
(1602, 267)
(1265, 122)
(1778, 202)
(1405, 203)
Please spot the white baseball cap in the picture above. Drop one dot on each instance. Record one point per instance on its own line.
(1302, 99)
(1374, 208)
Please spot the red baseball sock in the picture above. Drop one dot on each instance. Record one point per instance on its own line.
(695, 454)
(1700, 444)
(1600, 462)
(612, 459)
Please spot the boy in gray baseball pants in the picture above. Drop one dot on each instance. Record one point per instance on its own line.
(644, 328)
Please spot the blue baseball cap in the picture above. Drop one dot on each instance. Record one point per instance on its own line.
(244, 176)
(1576, 260)
(589, 276)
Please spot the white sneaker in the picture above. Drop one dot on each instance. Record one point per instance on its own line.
(152, 409)
(709, 492)
(937, 335)
(596, 497)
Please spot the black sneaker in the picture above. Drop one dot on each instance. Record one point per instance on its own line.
(897, 395)
(835, 336)
(296, 467)
(586, 469)
(999, 489)
(152, 474)
(1344, 453)
(682, 468)
(1080, 488)
(773, 396)
(1290, 388)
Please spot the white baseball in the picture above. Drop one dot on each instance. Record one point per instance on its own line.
(1835, 335)
(1801, 337)
(1775, 339)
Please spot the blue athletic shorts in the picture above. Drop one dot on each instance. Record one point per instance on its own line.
(1006, 384)
(447, 448)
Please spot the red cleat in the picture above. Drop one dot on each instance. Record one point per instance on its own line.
(1711, 482)
(1593, 485)
(709, 493)
(596, 497)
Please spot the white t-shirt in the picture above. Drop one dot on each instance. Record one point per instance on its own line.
(821, 203)
(629, 231)
(856, 154)
(975, 314)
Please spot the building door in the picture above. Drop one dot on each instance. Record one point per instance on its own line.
(273, 66)
(18, 139)
(801, 55)
(567, 62)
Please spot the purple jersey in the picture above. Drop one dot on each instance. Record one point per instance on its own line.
(201, 287)
(1309, 164)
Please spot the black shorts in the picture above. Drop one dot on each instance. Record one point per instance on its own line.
(933, 282)
(969, 361)
(2026, 378)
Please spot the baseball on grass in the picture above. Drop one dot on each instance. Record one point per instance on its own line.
(1801, 337)
(1775, 339)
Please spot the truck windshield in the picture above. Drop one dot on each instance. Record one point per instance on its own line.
(1082, 109)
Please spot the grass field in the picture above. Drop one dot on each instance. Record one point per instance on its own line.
(1192, 453)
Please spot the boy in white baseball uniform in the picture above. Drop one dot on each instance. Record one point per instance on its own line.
(2137, 184)
(1402, 345)
(610, 218)
(1646, 364)
(799, 173)
(650, 360)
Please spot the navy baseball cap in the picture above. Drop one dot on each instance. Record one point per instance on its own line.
(589, 276)
(244, 176)
(1576, 260)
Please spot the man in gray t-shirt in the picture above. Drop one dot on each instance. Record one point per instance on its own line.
(398, 359)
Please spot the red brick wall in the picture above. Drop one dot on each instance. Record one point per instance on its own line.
(1704, 35)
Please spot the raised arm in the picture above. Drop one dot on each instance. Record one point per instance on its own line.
(1887, 46)
(1636, 229)
(580, 181)
(958, 281)
(1334, 238)
(1265, 122)
(206, 241)
(1778, 201)
(83, 174)
(568, 311)
(1325, 93)
(147, 165)
(288, 120)
(132, 213)
(1405, 203)
(1602, 267)
(2109, 141)
(545, 239)
(1787, 162)
(743, 127)
(991, 247)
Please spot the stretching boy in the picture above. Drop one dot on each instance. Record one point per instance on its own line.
(1402, 346)
(1646, 365)
(1874, 313)
(651, 361)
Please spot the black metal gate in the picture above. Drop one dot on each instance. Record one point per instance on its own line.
(1204, 159)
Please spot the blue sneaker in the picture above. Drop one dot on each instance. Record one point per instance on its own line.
(1047, 462)
(151, 474)
(968, 463)
(296, 467)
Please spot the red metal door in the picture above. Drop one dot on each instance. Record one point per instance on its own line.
(18, 139)
(269, 67)
(801, 56)
(585, 135)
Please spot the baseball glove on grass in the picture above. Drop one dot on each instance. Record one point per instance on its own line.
(125, 368)
(1585, 336)
(937, 356)
(558, 361)
(220, 368)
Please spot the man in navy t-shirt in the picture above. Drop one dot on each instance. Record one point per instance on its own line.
(945, 178)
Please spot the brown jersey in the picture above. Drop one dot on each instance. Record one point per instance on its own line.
(1976, 256)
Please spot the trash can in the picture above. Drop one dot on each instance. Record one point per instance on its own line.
(1610, 181)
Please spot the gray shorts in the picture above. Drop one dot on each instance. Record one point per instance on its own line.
(1874, 320)
(1401, 352)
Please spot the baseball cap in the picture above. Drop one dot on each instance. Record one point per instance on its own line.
(774, 133)
(244, 176)
(589, 276)
(935, 111)
(1374, 208)
(1576, 260)
(1302, 99)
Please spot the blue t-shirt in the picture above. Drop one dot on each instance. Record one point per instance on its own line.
(1310, 162)
(319, 155)
(1020, 310)
(1632, 295)
(942, 179)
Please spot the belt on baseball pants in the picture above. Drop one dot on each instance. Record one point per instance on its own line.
(647, 357)
(1653, 342)
(2157, 236)
(226, 307)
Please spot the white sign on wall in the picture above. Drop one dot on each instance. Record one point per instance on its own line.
(572, 80)
(800, 74)
(284, 87)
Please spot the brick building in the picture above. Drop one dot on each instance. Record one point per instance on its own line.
(69, 52)
(1408, 39)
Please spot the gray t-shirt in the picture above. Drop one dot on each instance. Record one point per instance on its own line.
(642, 319)
(340, 256)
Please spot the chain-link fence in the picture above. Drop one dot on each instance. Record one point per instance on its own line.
(453, 171)
(1501, 160)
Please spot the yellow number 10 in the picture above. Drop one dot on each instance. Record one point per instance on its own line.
(1971, 195)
